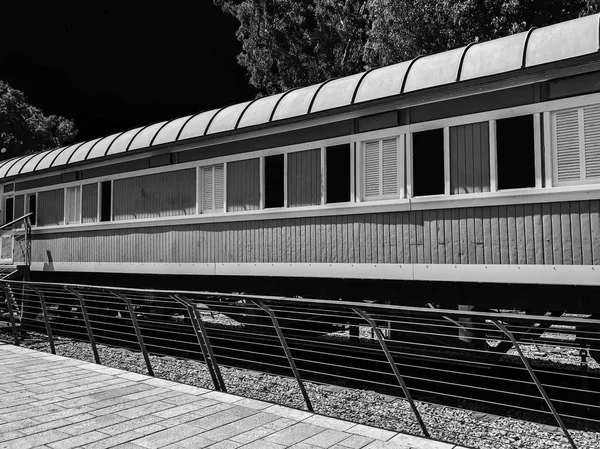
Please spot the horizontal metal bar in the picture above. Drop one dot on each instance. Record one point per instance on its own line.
(346, 304)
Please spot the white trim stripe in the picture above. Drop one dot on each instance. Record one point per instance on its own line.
(523, 274)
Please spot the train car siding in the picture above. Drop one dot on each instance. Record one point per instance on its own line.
(566, 233)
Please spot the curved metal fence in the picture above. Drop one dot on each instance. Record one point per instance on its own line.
(492, 361)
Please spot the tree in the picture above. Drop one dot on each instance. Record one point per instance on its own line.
(24, 129)
(286, 43)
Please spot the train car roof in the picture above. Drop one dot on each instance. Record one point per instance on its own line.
(535, 47)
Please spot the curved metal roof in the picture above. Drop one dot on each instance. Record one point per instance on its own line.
(538, 46)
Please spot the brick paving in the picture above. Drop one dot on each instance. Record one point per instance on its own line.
(48, 401)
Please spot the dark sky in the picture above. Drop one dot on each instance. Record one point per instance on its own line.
(113, 67)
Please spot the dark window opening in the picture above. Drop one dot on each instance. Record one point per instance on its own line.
(32, 209)
(428, 162)
(515, 152)
(105, 201)
(9, 209)
(274, 181)
(338, 174)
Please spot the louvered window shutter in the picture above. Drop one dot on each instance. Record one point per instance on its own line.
(381, 168)
(207, 189)
(389, 150)
(577, 144)
(372, 169)
(568, 165)
(219, 187)
(591, 136)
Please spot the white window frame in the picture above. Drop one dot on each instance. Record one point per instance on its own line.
(263, 183)
(200, 190)
(27, 206)
(4, 198)
(67, 205)
(399, 170)
(508, 196)
(552, 155)
(352, 187)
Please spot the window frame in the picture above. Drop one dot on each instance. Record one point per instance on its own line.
(550, 117)
(200, 191)
(400, 175)
(67, 209)
(4, 199)
(28, 207)
(352, 150)
(263, 183)
(543, 165)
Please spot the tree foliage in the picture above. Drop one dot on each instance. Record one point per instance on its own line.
(289, 43)
(26, 129)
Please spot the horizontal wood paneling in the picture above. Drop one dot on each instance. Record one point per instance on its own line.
(559, 233)
(51, 207)
(304, 178)
(243, 185)
(89, 203)
(158, 195)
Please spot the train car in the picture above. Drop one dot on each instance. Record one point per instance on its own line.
(469, 177)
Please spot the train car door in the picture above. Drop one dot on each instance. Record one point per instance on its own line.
(6, 235)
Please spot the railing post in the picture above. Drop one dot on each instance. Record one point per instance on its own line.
(88, 325)
(27, 241)
(46, 318)
(9, 296)
(136, 326)
(390, 359)
(509, 334)
(202, 337)
(286, 349)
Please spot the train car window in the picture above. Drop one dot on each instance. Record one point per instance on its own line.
(243, 185)
(19, 206)
(32, 208)
(576, 144)
(105, 201)
(213, 188)
(9, 204)
(274, 181)
(338, 173)
(73, 205)
(89, 203)
(51, 207)
(380, 169)
(304, 178)
(469, 158)
(515, 152)
(428, 162)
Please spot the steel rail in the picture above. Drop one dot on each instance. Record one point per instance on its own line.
(16, 220)
(199, 337)
(206, 341)
(46, 318)
(288, 354)
(9, 305)
(392, 363)
(351, 304)
(547, 399)
(138, 333)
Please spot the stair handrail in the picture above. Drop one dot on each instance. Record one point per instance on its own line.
(16, 220)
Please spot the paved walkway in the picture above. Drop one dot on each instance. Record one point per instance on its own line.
(48, 401)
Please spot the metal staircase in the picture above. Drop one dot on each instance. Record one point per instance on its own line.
(15, 258)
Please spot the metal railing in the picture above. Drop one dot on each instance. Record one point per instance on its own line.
(492, 361)
(15, 243)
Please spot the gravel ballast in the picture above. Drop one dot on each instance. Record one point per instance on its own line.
(459, 426)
